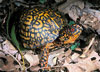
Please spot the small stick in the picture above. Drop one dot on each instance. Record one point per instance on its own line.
(87, 48)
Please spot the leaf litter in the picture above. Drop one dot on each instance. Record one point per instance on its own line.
(85, 59)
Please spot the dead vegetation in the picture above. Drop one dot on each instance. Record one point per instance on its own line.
(85, 58)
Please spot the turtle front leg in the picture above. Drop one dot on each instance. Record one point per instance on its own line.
(44, 58)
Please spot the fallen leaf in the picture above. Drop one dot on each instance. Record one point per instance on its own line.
(8, 47)
(32, 59)
(84, 65)
(6, 63)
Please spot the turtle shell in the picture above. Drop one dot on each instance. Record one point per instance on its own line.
(39, 26)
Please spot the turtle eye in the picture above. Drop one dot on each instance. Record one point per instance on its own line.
(72, 29)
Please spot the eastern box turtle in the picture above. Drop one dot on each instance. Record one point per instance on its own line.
(39, 27)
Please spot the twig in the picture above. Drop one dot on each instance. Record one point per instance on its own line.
(87, 48)
(15, 59)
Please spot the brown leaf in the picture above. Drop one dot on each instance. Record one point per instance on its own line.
(85, 65)
(31, 58)
(8, 47)
(6, 63)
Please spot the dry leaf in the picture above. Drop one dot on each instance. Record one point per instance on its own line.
(32, 59)
(75, 56)
(8, 47)
(72, 8)
(72, 67)
(34, 68)
(84, 65)
(6, 63)
(53, 58)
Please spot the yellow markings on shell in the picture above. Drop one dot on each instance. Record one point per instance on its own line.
(36, 9)
(26, 34)
(24, 44)
(38, 44)
(32, 35)
(46, 15)
(40, 38)
(49, 20)
(24, 14)
(44, 21)
(42, 17)
(55, 32)
(30, 11)
(57, 14)
(62, 21)
(31, 45)
(40, 30)
(49, 39)
(22, 32)
(25, 38)
(48, 32)
(36, 23)
(32, 30)
(27, 28)
(55, 23)
(38, 34)
(46, 25)
(38, 26)
(42, 42)
(45, 28)
(35, 17)
(37, 13)
(41, 14)
(42, 35)
(36, 31)
(29, 19)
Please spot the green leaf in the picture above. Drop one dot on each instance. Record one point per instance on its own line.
(7, 25)
(42, 1)
(75, 46)
(13, 37)
(71, 22)
(16, 43)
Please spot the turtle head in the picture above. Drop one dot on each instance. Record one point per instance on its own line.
(70, 33)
